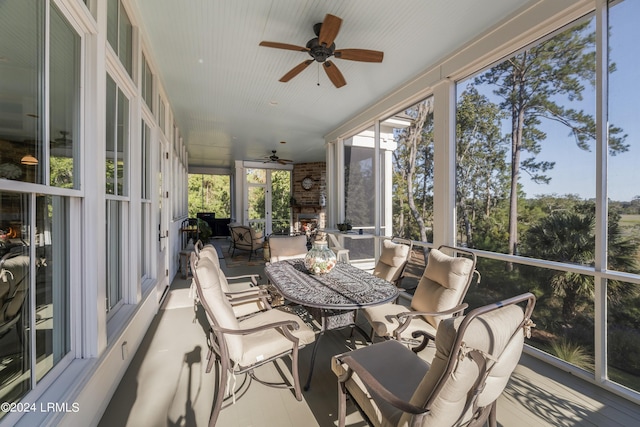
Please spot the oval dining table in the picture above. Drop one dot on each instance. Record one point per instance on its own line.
(332, 298)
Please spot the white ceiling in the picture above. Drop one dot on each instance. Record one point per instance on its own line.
(224, 90)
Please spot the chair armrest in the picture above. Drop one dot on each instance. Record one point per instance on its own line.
(250, 295)
(412, 314)
(284, 326)
(254, 278)
(405, 318)
(375, 386)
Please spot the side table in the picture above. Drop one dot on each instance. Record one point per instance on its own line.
(185, 269)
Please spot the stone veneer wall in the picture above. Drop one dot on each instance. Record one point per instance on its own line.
(308, 202)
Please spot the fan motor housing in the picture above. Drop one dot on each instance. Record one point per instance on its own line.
(320, 52)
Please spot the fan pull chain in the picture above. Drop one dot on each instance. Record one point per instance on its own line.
(318, 69)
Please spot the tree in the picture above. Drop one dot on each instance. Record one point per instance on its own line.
(568, 236)
(481, 169)
(531, 85)
(209, 193)
(414, 162)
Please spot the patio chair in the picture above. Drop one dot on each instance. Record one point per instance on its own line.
(475, 357)
(393, 260)
(244, 300)
(241, 346)
(439, 295)
(342, 254)
(245, 238)
(14, 284)
(287, 247)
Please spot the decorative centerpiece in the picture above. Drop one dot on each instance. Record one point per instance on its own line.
(320, 259)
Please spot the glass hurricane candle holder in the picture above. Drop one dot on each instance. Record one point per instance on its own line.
(320, 259)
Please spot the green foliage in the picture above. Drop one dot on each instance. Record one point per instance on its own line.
(568, 236)
(572, 353)
(622, 344)
(204, 230)
(413, 170)
(61, 174)
(482, 180)
(280, 200)
(534, 86)
(209, 193)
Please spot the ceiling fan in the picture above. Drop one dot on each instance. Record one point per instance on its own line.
(322, 47)
(63, 140)
(273, 158)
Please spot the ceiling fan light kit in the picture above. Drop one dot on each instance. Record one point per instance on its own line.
(322, 47)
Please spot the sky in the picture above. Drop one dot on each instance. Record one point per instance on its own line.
(574, 171)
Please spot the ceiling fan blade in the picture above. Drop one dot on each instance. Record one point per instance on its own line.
(296, 70)
(329, 29)
(284, 46)
(362, 55)
(334, 74)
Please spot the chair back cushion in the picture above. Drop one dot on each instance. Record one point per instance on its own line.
(211, 253)
(282, 248)
(490, 333)
(443, 284)
(392, 260)
(220, 312)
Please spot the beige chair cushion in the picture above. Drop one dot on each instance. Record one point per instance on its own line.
(376, 358)
(282, 248)
(392, 259)
(210, 273)
(442, 284)
(382, 319)
(211, 253)
(271, 342)
(489, 333)
(246, 238)
(209, 279)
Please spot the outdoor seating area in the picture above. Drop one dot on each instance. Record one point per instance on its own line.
(199, 196)
(212, 368)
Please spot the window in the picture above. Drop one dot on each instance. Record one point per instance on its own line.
(117, 172)
(531, 118)
(358, 179)
(145, 201)
(623, 330)
(64, 76)
(210, 193)
(52, 280)
(120, 34)
(359, 192)
(21, 97)
(161, 115)
(407, 138)
(37, 244)
(526, 183)
(146, 85)
(114, 257)
(35, 228)
(117, 142)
